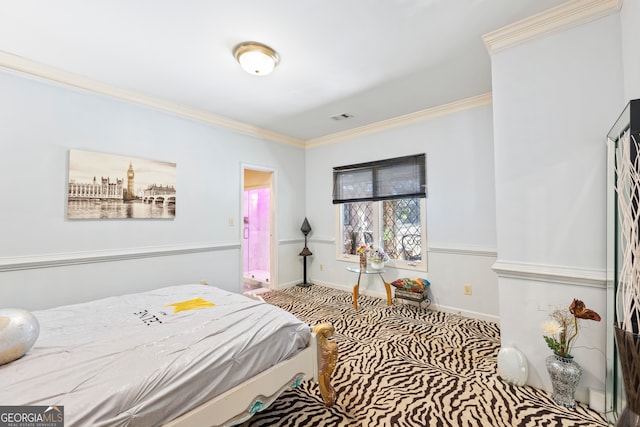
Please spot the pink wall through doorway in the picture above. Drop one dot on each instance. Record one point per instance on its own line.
(256, 233)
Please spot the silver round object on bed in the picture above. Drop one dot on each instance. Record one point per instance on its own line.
(19, 329)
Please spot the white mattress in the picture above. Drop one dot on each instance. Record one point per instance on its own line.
(110, 363)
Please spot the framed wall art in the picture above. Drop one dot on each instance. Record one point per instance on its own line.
(108, 186)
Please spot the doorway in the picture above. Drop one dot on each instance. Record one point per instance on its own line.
(257, 230)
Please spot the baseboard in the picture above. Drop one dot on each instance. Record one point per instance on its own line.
(467, 313)
(288, 284)
(433, 306)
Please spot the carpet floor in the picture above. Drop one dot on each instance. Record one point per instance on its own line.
(409, 366)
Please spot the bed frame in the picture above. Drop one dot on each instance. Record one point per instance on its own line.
(237, 405)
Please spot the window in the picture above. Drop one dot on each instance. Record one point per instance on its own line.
(383, 204)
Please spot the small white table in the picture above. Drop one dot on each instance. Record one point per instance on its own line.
(356, 287)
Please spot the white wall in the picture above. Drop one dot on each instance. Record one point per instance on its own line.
(555, 98)
(41, 122)
(629, 16)
(460, 207)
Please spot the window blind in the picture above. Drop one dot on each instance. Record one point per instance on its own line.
(397, 178)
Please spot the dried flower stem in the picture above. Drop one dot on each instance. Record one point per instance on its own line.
(575, 334)
(628, 191)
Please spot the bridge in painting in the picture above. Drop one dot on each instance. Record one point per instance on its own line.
(160, 199)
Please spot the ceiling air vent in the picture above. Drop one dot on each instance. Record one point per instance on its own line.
(342, 116)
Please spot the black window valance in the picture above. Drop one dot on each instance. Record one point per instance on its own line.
(397, 178)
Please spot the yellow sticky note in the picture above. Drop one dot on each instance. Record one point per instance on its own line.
(190, 304)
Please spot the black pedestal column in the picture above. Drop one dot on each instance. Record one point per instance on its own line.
(306, 228)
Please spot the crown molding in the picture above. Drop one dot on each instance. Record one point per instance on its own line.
(550, 273)
(57, 76)
(53, 75)
(567, 15)
(407, 119)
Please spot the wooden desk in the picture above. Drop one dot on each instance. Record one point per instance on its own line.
(356, 287)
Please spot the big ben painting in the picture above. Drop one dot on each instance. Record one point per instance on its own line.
(130, 175)
(108, 186)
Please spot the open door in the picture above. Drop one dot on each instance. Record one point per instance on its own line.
(257, 229)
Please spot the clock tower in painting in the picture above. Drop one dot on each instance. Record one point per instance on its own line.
(130, 174)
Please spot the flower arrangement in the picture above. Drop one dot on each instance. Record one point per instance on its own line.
(377, 255)
(361, 250)
(561, 331)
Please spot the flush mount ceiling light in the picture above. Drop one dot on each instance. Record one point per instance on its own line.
(256, 58)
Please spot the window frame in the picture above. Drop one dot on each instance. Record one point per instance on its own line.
(377, 231)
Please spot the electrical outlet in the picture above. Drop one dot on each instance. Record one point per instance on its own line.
(467, 289)
(321, 267)
(232, 223)
(204, 282)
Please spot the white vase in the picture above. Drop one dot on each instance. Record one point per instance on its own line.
(376, 265)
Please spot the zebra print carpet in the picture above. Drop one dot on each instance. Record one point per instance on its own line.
(405, 366)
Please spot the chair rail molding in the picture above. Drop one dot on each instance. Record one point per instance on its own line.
(323, 239)
(551, 273)
(75, 258)
(441, 248)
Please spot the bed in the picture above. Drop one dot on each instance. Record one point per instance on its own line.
(188, 355)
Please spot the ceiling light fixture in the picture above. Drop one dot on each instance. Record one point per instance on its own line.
(256, 58)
